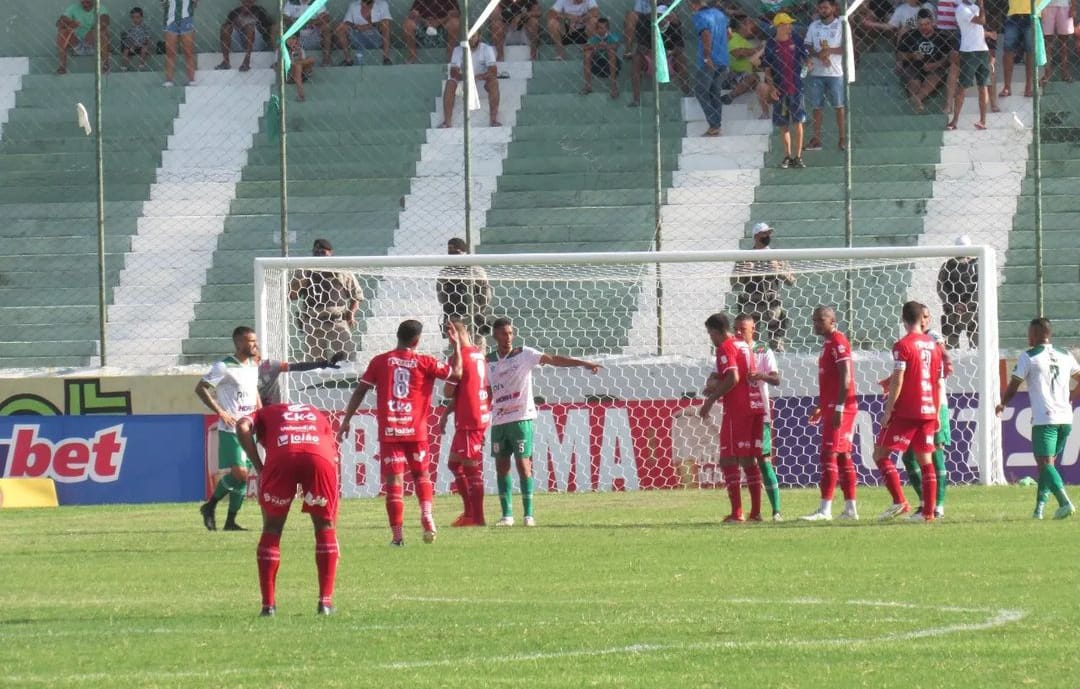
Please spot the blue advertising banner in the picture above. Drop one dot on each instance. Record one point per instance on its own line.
(107, 459)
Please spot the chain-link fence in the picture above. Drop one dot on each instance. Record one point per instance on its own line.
(573, 148)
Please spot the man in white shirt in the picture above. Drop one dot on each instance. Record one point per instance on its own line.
(315, 35)
(903, 19)
(571, 21)
(486, 70)
(366, 25)
(1048, 372)
(825, 83)
(974, 60)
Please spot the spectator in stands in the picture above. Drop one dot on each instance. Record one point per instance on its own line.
(571, 21)
(640, 14)
(251, 22)
(958, 288)
(516, 15)
(429, 15)
(785, 58)
(81, 30)
(974, 60)
(711, 27)
(674, 47)
(486, 69)
(924, 60)
(745, 54)
(759, 284)
(317, 34)
(1057, 25)
(329, 300)
(300, 65)
(601, 57)
(902, 20)
(1018, 39)
(463, 290)
(179, 27)
(366, 25)
(945, 23)
(136, 40)
(825, 41)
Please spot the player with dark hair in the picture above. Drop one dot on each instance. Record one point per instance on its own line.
(403, 380)
(469, 400)
(836, 412)
(911, 411)
(1048, 372)
(235, 384)
(513, 410)
(744, 413)
(300, 449)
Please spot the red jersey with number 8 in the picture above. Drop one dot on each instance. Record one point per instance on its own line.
(472, 404)
(917, 358)
(834, 350)
(403, 381)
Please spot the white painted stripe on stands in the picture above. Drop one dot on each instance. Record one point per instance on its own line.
(12, 70)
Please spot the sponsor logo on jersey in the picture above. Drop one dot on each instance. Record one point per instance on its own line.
(406, 363)
(68, 460)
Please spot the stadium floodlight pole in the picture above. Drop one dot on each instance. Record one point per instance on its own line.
(283, 149)
(1036, 135)
(658, 192)
(99, 155)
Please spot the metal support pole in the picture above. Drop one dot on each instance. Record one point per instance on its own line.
(283, 147)
(658, 197)
(849, 211)
(1036, 136)
(99, 154)
(466, 120)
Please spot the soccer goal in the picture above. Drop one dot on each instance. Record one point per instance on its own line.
(635, 425)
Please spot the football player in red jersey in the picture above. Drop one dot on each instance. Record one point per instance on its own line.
(836, 413)
(911, 412)
(300, 449)
(469, 400)
(744, 410)
(403, 380)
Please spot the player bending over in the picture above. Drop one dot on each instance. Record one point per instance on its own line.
(911, 411)
(743, 422)
(1048, 372)
(765, 373)
(836, 413)
(513, 411)
(300, 449)
(470, 401)
(943, 436)
(403, 380)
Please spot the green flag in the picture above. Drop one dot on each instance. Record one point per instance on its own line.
(273, 118)
(660, 53)
(1040, 42)
(303, 19)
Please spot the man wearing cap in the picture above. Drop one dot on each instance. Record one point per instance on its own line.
(760, 294)
(711, 27)
(785, 61)
(328, 300)
(958, 287)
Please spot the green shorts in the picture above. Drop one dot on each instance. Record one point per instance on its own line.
(943, 437)
(230, 454)
(766, 440)
(514, 438)
(1049, 441)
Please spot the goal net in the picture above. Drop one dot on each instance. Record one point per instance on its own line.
(634, 425)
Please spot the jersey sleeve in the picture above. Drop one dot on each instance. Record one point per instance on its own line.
(839, 350)
(726, 360)
(371, 373)
(436, 368)
(899, 354)
(216, 374)
(769, 364)
(380, 12)
(1023, 366)
(533, 356)
(1074, 366)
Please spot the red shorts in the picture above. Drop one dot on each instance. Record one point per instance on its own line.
(837, 439)
(909, 434)
(318, 479)
(740, 436)
(396, 457)
(468, 444)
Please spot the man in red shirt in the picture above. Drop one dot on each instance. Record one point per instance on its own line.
(911, 412)
(836, 412)
(403, 380)
(300, 449)
(470, 401)
(744, 410)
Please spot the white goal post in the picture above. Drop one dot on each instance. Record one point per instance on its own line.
(641, 315)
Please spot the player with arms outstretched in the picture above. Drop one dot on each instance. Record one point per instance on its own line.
(271, 369)
(513, 411)
(403, 380)
(231, 390)
(744, 414)
(836, 413)
(300, 449)
(911, 413)
(469, 401)
(765, 373)
(1048, 372)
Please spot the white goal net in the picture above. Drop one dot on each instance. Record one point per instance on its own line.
(641, 315)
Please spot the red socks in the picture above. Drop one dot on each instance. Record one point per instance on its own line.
(461, 482)
(268, 557)
(849, 478)
(326, 560)
(734, 488)
(753, 483)
(475, 478)
(425, 494)
(828, 476)
(929, 491)
(395, 507)
(891, 477)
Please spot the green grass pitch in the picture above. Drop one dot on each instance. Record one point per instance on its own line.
(642, 590)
